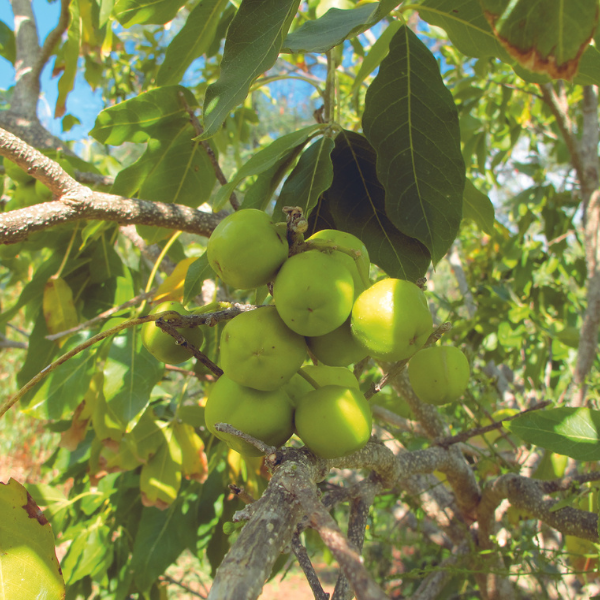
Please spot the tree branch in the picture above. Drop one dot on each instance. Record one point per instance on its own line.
(52, 39)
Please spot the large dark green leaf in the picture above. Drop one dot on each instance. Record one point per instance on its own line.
(310, 178)
(573, 432)
(589, 67)
(264, 160)
(253, 43)
(148, 12)
(411, 121)
(192, 41)
(161, 537)
(130, 373)
(544, 36)
(356, 201)
(466, 26)
(153, 114)
(335, 26)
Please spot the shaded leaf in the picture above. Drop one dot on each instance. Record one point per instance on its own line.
(191, 42)
(70, 53)
(130, 373)
(149, 12)
(356, 202)
(573, 432)
(197, 273)
(252, 45)
(412, 122)
(28, 560)
(263, 160)
(478, 207)
(8, 49)
(544, 36)
(310, 178)
(589, 67)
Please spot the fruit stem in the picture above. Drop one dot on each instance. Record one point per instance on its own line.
(211, 307)
(309, 379)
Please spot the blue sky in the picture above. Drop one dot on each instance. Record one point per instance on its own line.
(82, 102)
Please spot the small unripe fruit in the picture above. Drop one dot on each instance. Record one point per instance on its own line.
(313, 293)
(334, 421)
(258, 349)
(161, 345)
(439, 374)
(337, 348)
(246, 249)
(325, 375)
(267, 416)
(391, 319)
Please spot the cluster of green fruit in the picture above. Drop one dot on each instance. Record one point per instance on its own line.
(323, 302)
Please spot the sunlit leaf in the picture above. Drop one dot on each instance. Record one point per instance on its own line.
(411, 121)
(478, 207)
(136, 12)
(28, 562)
(196, 274)
(70, 53)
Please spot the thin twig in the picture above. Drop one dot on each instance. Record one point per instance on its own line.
(182, 586)
(52, 38)
(308, 569)
(264, 448)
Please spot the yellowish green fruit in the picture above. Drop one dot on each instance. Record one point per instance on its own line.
(258, 349)
(337, 348)
(391, 319)
(334, 421)
(439, 374)
(161, 345)
(267, 416)
(15, 172)
(246, 249)
(296, 388)
(325, 375)
(359, 267)
(313, 293)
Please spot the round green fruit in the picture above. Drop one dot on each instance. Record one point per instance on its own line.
(325, 375)
(337, 348)
(359, 267)
(334, 421)
(258, 349)
(267, 416)
(391, 319)
(439, 374)
(296, 388)
(161, 345)
(15, 172)
(246, 249)
(313, 293)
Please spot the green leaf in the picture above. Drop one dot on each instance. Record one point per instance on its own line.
(161, 537)
(149, 12)
(191, 42)
(573, 432)
(545, 36)
(153, 114)
(8, 49)
(60, 392)
(253, 43)
(198, 272)
(170, 170)
(130, 373)
(310, 178)
(589, 67)
(70, 52)
(28, 562)
(263, 160)
(412, 122)
(478, 207)
(465, 25)
(356, 203)
(334, 27)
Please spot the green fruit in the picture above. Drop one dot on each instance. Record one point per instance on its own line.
(313, 293)
(161, 345)
(15, 172)
(246, 249)
(267, 416)
(356, 267)
(296, 388)
(439, 374)
(325, 375)
(391, 319)
(43, 191)
(334, 421)
(337, 348)
(258, 350)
